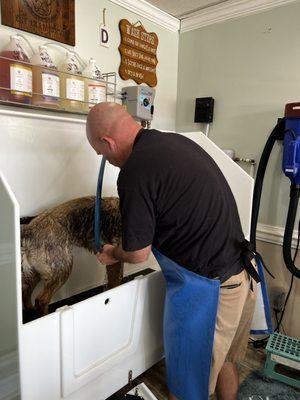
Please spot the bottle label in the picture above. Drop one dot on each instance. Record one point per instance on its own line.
(21, 80)
(97, 94)
(50, 84)
(75, 89)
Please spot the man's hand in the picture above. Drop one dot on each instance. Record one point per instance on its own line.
(107, 255)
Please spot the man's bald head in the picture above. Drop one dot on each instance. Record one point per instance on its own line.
(111, 131)
(104, 118)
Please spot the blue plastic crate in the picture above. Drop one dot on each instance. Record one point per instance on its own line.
(283, 350)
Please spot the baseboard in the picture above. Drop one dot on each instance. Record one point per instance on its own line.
(273, 234)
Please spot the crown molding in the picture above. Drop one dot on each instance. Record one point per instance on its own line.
(231, 9)
(152, 13)
(273, 234)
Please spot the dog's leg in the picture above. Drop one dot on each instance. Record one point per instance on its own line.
(29, 282)
(114, 274)
(30, 279)
(43, 299)
(52, 283)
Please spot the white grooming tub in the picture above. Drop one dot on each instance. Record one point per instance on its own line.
(84, 351)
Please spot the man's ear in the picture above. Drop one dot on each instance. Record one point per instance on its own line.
(110, 142)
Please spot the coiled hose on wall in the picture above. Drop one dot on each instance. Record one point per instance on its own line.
(276, 134)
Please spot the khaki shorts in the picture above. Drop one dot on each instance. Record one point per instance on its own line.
(235, 312)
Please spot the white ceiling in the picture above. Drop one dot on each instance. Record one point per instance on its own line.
(182, 8)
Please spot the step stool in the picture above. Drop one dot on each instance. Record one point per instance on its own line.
(285, 351)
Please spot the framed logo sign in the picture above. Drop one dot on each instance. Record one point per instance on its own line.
(54, 19)
(138, 51)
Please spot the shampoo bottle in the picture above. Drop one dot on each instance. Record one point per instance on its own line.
(95, 90)
(46, 88)
(15, 73)
(71, 84)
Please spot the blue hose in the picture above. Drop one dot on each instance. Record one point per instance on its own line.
(97, 222)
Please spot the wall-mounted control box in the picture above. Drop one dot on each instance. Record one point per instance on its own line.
(204, 109)
(138, 101)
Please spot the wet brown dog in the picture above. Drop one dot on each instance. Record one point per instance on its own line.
(46, 245)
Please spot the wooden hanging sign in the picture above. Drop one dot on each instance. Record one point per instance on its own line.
(54, 19)
(138, 50)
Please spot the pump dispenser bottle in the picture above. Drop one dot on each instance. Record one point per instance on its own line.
(46, 89)
(95, 90)
(15, 73)
(71, 84)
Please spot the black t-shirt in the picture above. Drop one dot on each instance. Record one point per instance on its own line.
(174, 196)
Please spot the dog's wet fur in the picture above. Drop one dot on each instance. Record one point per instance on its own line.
(47, 240)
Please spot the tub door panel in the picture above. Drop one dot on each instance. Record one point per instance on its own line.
(99, 333)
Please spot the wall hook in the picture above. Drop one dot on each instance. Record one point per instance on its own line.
(103, 16)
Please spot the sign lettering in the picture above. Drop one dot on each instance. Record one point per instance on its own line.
(138, 50)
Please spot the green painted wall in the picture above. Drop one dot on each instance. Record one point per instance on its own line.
(251, 66)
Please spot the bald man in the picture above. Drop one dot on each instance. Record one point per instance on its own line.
(174, 197)
(111, 131)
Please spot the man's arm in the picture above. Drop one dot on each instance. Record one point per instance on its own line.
(113, 254)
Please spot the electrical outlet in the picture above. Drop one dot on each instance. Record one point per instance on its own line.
(278, 299)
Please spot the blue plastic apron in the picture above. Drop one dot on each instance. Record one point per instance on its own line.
(190, 313)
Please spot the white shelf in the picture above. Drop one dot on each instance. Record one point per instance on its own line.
(11, 109)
